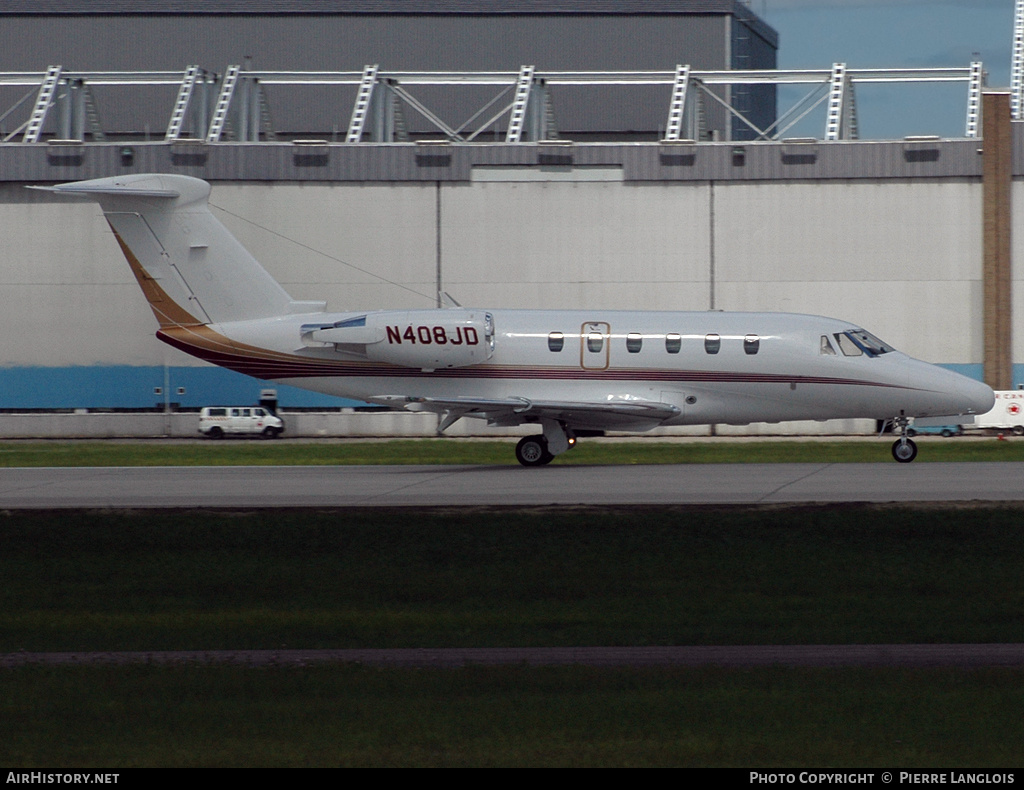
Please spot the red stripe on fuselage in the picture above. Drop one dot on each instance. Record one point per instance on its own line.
(282, 366)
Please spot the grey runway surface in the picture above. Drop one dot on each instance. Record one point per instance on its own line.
(454, 486)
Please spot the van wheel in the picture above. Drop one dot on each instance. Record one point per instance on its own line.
(270, 432)
(215, 433)
(1018, 430)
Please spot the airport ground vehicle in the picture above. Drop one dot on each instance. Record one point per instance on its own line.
(1007, 414)
(941, 430)
(216, 422)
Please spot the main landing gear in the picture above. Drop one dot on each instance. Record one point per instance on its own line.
(904, 449)
(533, 451)
(541, 449)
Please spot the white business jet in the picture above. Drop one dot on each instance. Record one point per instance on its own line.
(573, 373)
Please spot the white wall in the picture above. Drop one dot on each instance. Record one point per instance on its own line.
(902, 258)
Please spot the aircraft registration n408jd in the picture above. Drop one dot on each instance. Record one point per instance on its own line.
(570, 372)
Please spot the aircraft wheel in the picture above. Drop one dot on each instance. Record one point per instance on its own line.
(533, 451)
(215, 433)
(904, 452)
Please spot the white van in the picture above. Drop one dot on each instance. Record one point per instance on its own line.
(1007, 414)
(215, 422)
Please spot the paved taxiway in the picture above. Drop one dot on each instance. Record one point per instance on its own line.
(422, 486)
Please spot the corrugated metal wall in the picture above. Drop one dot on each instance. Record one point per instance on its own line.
(395, 41)
(368, 162)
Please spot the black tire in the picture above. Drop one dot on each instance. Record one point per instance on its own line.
(270, 432)
(947, 432)
(1018, 430)
(215, 433)
(533, 451)
(911, 432)
(904, 452)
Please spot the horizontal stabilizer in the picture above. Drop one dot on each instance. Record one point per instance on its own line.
(192, 270)
(85, 188)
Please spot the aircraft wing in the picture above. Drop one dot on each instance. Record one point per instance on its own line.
(634, 415)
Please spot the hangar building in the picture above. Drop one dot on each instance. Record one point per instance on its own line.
(513, 154)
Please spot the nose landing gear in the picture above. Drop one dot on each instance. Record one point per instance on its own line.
(904, 450)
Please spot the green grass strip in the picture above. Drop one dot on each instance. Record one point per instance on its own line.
(354, 716)
(82, 580)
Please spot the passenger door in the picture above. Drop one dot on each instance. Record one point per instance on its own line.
(595, 338)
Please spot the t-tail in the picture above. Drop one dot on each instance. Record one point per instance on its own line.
(191, 269)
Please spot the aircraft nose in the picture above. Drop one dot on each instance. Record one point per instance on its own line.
(977, 396)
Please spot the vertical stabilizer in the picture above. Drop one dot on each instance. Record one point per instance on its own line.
(190, 267)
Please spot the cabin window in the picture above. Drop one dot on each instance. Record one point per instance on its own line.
(595, 342)
(555, 341)
(712, 343)
(218, 412)
(826, 346)
(673, 343)
(634, 341)
(751, 344)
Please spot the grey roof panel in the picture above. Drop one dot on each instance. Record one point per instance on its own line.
(190, 7)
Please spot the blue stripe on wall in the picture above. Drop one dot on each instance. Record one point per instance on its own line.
(129, 387)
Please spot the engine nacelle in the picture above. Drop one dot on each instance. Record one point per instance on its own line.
(425, 339)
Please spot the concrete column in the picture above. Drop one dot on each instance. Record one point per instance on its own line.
(997, 172)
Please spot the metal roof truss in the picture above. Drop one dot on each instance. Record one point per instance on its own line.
(235, 107)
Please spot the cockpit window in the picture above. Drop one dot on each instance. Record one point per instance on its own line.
(826, 346)
(855, 342)
(847, 345)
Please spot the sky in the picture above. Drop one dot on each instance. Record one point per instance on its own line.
(893, 34)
